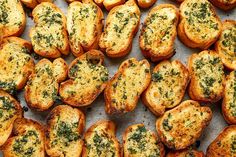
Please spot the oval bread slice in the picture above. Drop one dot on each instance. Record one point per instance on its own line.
(88, 78)
(49, 36)
(126, 86)
(226, 45)
(64, 130)
(159, 32)
(121, 25)
(207, 76)
(33, 3)
(224, 144)
(42, 88)
(186, 153)
(140, 142)
(167, 88)
(100, 140)
(180, 127)
(84, 25)
(224, 4)
(10, 110)
(109, 4)
(229, 99)
(12, 18)
(199, 27)
(16, 64)
(28, 140)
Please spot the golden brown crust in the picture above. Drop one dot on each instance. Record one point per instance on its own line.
(28, 140)
(138, 141)
(167, 88)
(124, 89)
(109, 4)
(207, 76)
(186, 153)
(88, 78)
(159, 32)
(225, 46)
(121, 25)
(224, 4)
(33, 3)
(43, 85)
(100, 140)
(180, 127)
(229, 99)
(146, 3)
(64, 130)
(224, 144)
(16, 64)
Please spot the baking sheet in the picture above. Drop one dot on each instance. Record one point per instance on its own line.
(141, 114)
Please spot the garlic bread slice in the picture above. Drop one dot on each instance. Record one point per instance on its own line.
(141, 142)
(12, 18)
(42, 88)
(185, 153)
(159, 32)
(88, 78)
(64, 130)
(84, 25)
(28, 140)
(226, 45)
(207, 76)
(16, 64)
(33, 3)
(10, 110)
(229, 99)
(109, 4)
(167, 88)
(49, 36)
(224, 4)
(146, 3)
(100, 140)
(122, 23)
(126, 86)
(180, 127)
(199, 27)
(224, 144)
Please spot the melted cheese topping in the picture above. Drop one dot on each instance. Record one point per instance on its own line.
(159, 30)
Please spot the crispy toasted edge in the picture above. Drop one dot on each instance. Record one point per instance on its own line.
(111, 130)
(192, 89)
(107, 92)
(229, 119)
(184, 104)
(109, 5)
(19, 113)
(227, 64)
(222, 5)
(98, 32)
(19, 127)
(179, 153)
(125, 134)
(211, 150)
(93, 54)
(186, 81)
(146, 4)
(127, 49)
(30, 3)
(191, 43)
(57, 111)
(170, 51)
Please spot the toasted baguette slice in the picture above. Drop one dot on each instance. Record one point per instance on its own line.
(224, 144)
(186, 153)
(159, 32)
(88, 78)
(207, 76)
(126, 86)
(140, 142)
(167, 89)
(100, 140)
(199, 27)
(121, 25)
(109, 4)
(42, 88)
(28, 140)
(224, 4)
(226, 45)
(33, 3)
(49, 36)
(146, 3)
(16, 63)
(84, 25)
(229, 99)
(64, 130)
(180, 127)
(12, 18)
(10, 110)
